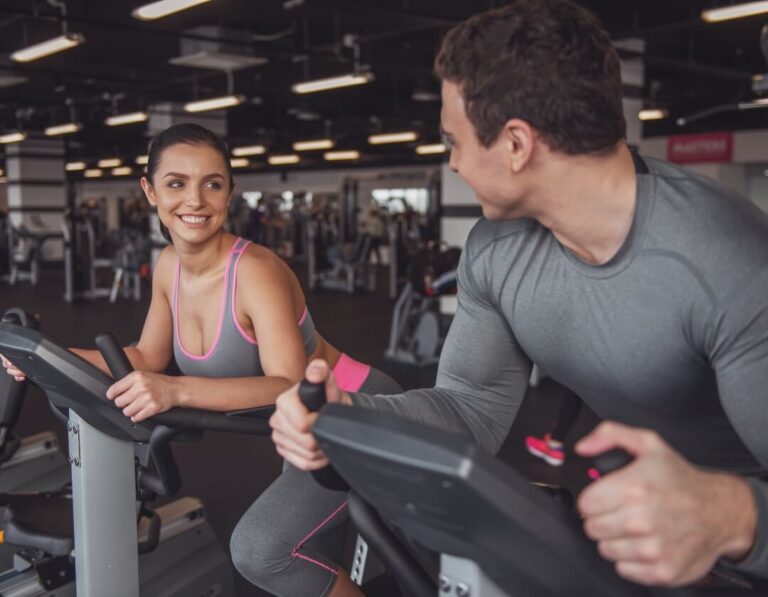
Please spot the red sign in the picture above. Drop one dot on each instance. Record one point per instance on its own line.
(706, 147)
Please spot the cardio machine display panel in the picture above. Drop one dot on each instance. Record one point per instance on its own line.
(69, 381)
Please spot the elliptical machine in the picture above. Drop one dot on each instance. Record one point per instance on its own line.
(418, 329)
(81, 264)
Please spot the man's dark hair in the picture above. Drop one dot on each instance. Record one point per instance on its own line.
(190, 134)
(548, 62)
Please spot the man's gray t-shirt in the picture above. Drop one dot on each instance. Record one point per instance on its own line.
(670, 334)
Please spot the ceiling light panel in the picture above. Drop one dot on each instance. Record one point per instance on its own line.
(158, 10)
(48, 47)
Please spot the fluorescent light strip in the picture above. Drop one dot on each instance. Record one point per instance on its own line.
(429, 149)
(110, 163)
(93, 173)
(333, 156)
(315, 144)
(403, 137)
(280, 160)
(652, 114)
(239, 163)
(15, 137)
(122, 171)
(142, 160)
(75, 166)
(332, 83)
(215, 103)
(758, 103)
(48, 47)
(249, 150)
(126, 118)
(735, 11)
(63, 129)
(158, 10)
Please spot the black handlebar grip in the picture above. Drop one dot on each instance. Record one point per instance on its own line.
(312, 395)
(609, 461)
(114, 355)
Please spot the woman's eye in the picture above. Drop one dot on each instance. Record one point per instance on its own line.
(175, 184)
(214, 186)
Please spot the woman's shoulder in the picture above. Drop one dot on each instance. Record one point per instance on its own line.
(260, 261)
(262, 275)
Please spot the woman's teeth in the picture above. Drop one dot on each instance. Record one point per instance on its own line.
(194, 219)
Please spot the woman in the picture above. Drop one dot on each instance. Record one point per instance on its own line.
(235, 318)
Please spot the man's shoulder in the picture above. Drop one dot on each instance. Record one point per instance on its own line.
(486, 233)
(712, 228)
(684, 190)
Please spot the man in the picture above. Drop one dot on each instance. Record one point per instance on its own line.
(636, 284)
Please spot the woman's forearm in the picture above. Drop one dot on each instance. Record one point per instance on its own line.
(227, 394)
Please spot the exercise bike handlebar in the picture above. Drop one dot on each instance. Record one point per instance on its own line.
(313, 397)
(608, 462)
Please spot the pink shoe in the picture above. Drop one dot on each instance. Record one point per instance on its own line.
(546, 448)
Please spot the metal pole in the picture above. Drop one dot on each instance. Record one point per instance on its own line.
(104, 504)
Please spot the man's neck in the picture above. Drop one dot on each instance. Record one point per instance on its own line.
(587, 202)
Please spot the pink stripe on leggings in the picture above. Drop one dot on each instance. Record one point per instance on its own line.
(328, 568)
(295, 553)
(350, 374)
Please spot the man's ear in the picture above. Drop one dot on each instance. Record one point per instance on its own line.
(519, 138)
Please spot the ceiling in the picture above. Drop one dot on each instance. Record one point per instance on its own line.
(124, 66)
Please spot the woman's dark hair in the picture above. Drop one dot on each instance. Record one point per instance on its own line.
(190, 134)
(548, 62)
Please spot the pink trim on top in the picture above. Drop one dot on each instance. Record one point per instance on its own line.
(238, 327)
(211, 350)
(350, 374)
(295, 552)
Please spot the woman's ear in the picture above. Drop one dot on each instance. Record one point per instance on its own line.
(149, 191)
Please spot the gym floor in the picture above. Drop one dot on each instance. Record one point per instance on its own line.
(229, 471)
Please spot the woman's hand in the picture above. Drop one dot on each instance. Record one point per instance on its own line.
(142, 394)
(12, 370)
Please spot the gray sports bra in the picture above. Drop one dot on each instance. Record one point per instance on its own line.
(233, 353)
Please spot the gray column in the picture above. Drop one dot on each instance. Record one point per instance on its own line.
(460, 208)
(36, 188)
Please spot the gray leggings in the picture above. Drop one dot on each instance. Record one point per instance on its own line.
(289, 540)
